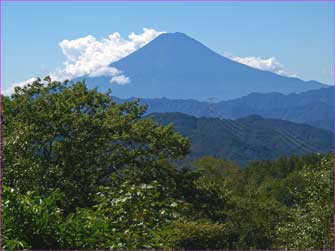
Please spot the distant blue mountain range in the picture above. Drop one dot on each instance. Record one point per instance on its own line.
(315, 107)
(249, 138)
(176, 66)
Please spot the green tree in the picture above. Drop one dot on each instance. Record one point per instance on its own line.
(310, 222)
(57, 135)
(29, 220)
(196, 235)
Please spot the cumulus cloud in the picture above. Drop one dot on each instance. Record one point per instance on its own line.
(11, 89)
(88, 56)
(270, 64)
(121, 80)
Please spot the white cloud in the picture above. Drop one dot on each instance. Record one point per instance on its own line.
(11, 89)
(270, 64)
(121, 80)
(87, 56)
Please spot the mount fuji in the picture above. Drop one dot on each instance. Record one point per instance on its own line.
(174, 65)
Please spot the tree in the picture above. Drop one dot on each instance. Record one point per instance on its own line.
(310, 222)
(62, 135)
(30, 221)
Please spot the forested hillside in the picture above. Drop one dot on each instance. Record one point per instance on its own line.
(248, 138)
(315, 107)
(105, 177)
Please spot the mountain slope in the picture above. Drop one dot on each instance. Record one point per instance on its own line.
(248, 138)
(176, 66)
(315, 107)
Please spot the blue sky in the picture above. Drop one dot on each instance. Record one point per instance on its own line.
(300, 35)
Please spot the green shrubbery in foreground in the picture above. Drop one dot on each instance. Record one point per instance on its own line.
(82, 172)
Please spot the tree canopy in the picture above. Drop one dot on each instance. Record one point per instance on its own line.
(82, 172)
(61, 135)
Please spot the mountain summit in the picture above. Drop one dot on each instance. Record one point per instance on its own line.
(175, 65)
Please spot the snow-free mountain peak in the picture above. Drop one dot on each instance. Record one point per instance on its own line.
(174, 65)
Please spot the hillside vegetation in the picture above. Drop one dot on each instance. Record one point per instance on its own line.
(82, 172)
(248, 138)
(315, 107)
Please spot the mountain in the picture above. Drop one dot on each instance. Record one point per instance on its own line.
(176, 66)
(315, 107)
(248, 138)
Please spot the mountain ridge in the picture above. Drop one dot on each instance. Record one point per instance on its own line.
(177, 66)
(249, 138)
(314, 107)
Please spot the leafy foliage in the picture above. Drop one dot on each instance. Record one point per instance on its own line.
(194, 235)
(71, 138)
(310, 221)
(107, 178)
(30, 220)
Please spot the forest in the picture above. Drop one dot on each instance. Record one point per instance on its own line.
(80, 171)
